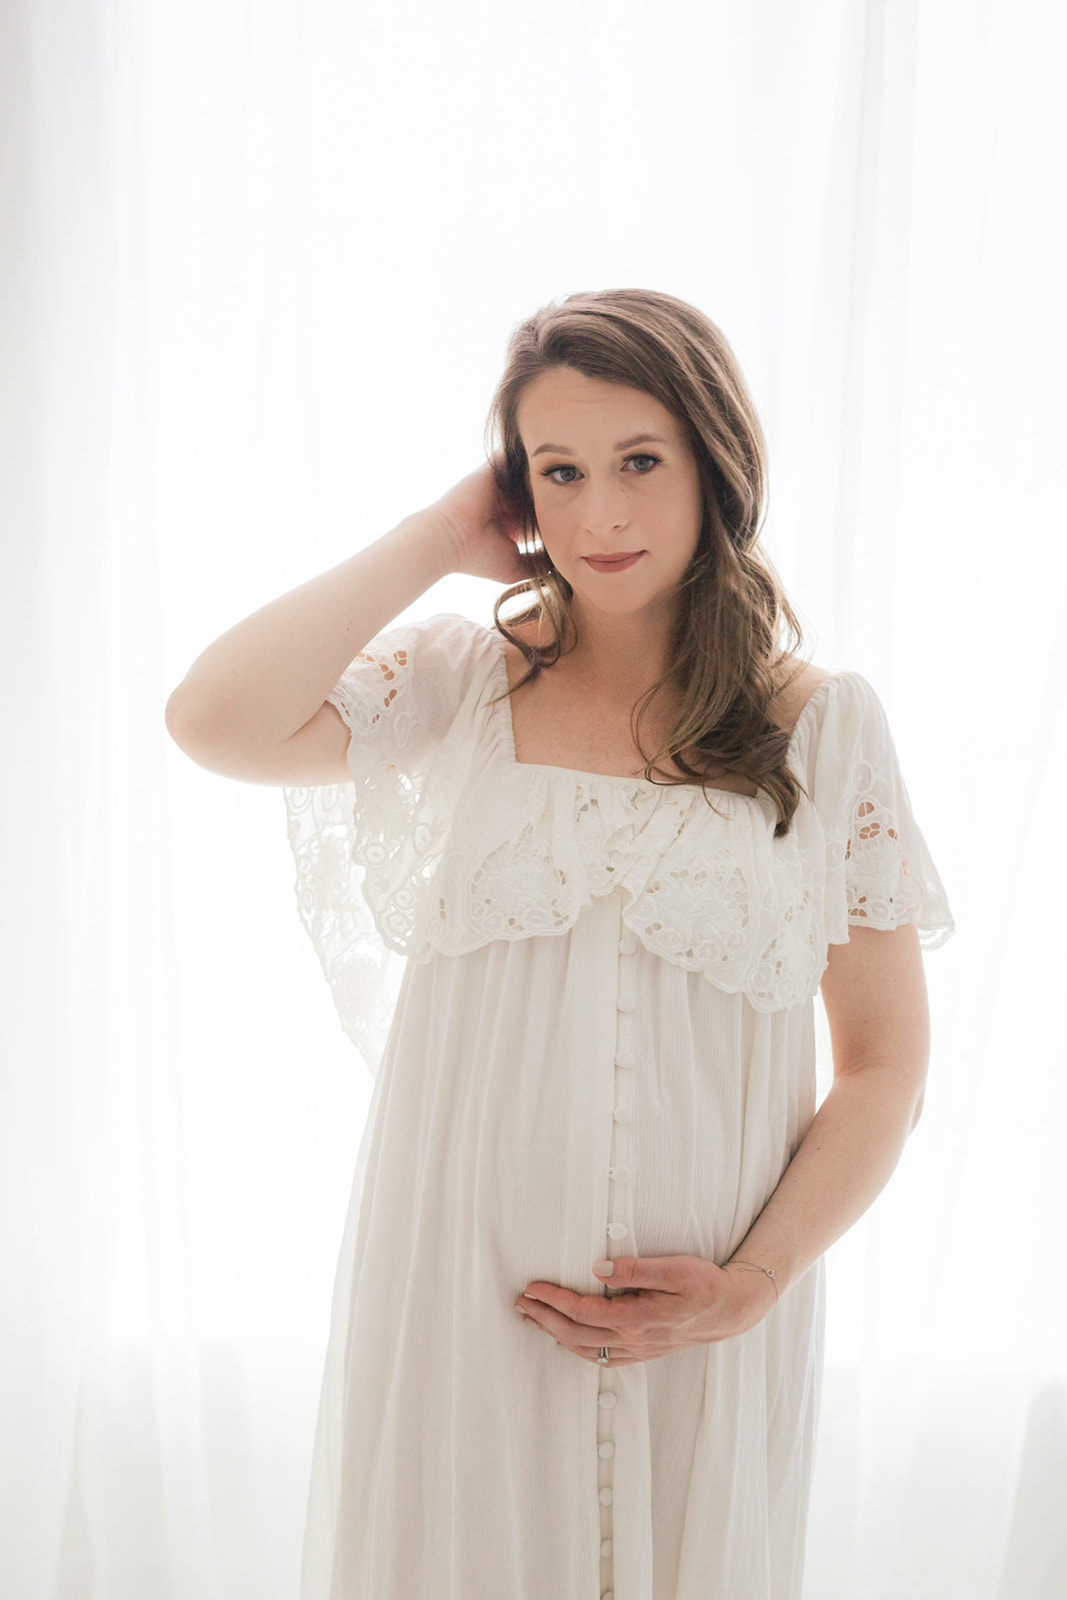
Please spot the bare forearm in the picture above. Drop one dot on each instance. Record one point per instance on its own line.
(842, 1164)
(264, 677)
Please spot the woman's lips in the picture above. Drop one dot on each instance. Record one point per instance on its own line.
(616, 564)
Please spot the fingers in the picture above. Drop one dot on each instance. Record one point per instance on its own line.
(625, 1309)
(565, 1330)
(577, 1339)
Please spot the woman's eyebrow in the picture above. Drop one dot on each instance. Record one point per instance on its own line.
(624, 444)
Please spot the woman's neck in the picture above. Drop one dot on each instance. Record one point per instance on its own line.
(619, 658)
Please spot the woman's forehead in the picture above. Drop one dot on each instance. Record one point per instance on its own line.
(609, 415)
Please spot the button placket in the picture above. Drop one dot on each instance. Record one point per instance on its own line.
(618, 1241)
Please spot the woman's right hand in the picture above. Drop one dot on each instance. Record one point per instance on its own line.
(482, 527)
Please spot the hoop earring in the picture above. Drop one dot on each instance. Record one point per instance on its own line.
(531, 546)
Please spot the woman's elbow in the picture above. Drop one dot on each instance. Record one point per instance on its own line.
(917, 1113)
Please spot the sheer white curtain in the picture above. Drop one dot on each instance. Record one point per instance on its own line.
(259, 263)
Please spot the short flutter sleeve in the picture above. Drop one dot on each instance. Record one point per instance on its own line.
(879, 871)
(360, 846)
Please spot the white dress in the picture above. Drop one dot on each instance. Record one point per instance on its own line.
(588, 1002)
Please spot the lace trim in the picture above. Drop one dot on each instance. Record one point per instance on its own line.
(363, 712)
(363, 974)
(445, 845)
(880, 890)
(708, 893)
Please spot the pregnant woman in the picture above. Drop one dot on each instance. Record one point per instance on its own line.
(575, 881)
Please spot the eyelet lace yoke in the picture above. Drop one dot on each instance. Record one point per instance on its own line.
(443, 842)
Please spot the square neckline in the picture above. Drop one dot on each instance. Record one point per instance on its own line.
(503, 708)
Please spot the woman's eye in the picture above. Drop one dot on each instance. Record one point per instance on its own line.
(550, 472)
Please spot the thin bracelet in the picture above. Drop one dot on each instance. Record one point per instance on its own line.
(768, 1270)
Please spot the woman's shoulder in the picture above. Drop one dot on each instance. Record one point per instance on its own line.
(797, 682)
(442, 642)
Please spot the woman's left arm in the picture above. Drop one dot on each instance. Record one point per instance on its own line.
(874, 990)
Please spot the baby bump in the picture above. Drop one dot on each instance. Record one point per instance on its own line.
(527, 1107)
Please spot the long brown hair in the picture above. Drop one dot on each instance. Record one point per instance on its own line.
(727, 643)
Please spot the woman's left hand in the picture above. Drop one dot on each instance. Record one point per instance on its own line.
(675, 1301)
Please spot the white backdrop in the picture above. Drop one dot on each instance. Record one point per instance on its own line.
(259, 264)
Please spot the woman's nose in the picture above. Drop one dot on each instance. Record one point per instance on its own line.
(603, 508)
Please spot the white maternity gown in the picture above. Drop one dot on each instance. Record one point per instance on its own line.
(588, 1004)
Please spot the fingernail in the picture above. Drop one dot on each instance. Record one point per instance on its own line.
(604, 1269)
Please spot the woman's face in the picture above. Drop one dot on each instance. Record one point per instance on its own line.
(612, 474)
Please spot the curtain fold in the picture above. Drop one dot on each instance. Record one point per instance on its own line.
(259, 264)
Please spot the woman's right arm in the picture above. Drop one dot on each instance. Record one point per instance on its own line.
(253, 704)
